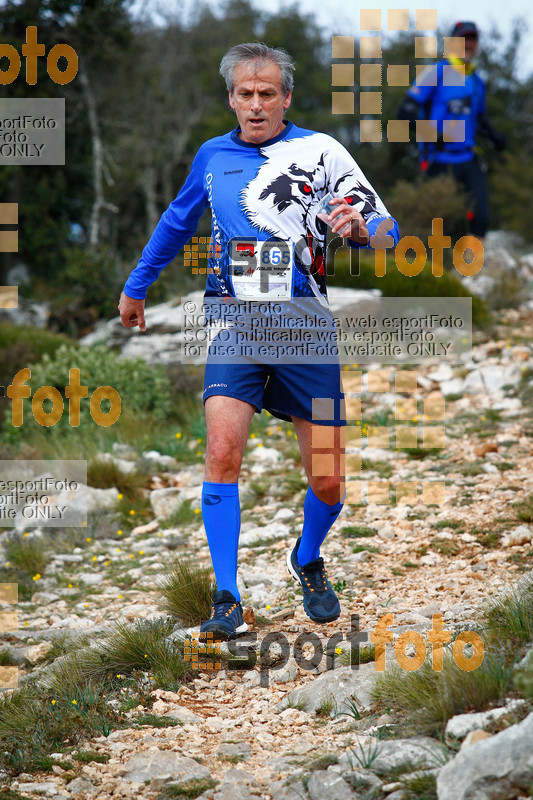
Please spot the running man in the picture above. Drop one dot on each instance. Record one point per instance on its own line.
(453, 95)
(261, 181)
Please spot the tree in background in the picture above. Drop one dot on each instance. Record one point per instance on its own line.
(146, 96)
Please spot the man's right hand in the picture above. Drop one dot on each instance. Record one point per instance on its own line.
(131, 312)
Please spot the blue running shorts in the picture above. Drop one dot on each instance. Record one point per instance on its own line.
(311, 391)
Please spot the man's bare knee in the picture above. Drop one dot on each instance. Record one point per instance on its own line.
(327, 488)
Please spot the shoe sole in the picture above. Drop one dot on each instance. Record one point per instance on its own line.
(296, 577)
(222, 634)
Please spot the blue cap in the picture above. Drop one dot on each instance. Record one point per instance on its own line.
(465, 29)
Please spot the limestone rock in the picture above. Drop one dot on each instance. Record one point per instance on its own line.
(154, 762)
(498, 768)
(343, 683)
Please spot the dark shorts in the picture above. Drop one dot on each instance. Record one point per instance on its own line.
(311, 391)
(470, 175)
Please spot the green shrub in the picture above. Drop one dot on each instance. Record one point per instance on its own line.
(87, 289)
(144, 392)
(104, 474)
(395, 284)
(187, 591)
(417, 203)
(22, 346)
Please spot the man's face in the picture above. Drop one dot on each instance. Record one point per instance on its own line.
(467, 49)
(258, 101)
(470, 46)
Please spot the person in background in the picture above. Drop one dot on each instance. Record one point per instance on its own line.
(457, 108)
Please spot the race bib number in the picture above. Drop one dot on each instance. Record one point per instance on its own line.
(261, 270)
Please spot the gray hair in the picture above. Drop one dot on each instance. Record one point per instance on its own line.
(258, 52)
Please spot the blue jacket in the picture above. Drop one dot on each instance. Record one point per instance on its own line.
(257, 193)
(456, 110)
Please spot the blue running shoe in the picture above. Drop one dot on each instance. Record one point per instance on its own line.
(226, 619)
(320, 601)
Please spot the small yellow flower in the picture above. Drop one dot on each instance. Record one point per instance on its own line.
(120, 597)
(87, 538)
(252, 436)
(196, 510)
(141, 552)
(75, 702)
(151, 678)
(95, 558)
(107, 563)
(338, 650)
(120, 495)
(414, 419)
(199, 440)
(267, 608)
(199, 453)
(483, 419)
(119, 675)
(53, 702)
(145, 655)
(26, 534)
(36, 576)
(118, 549)
(83, 524)
(269, 433)
(178, 435)
(119, 533)
(7, 563)
(70, 586)
(25, 622)
(86, 605)
(131, 556)
(132, 512)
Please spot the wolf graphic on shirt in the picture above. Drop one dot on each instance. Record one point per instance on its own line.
(282, 200)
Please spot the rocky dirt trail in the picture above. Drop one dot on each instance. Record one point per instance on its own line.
(412, 560)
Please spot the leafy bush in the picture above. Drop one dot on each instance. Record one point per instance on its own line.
(144, 390)
(395, 284)
(22, 345)
(417, 203)
(87, 288)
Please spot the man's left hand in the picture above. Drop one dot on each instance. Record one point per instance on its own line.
(348, 222)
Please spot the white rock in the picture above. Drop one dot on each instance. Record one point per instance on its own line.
(443, 373)
(275, 530)
(491, 378)
(166, 462)
(283, 514)
(166, 502)
(520, 535)
(37, 652)
(265, 455)
(121, 463)
(453, 386)
(457, 727)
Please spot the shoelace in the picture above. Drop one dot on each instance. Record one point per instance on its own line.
(223, 609)
(315, 574)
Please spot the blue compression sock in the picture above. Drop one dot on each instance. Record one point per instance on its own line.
(221, 512)
(318, 519)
